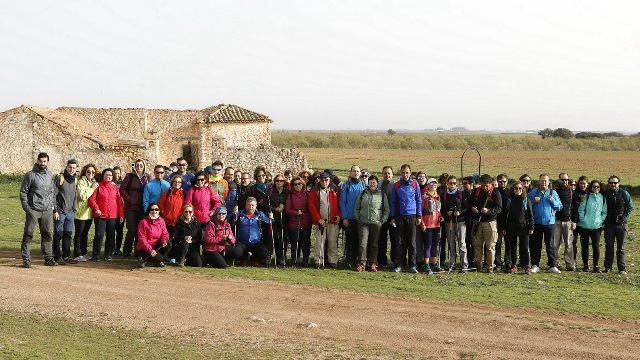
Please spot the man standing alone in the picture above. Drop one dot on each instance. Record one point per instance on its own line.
(37, 195)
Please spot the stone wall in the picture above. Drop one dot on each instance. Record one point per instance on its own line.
(275, 159)
(123, 123)
(16, 133)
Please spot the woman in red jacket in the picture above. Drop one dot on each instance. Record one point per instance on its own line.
(153, 238)
(106, 204)
(218, 242)
(297, 207)
(171, 203)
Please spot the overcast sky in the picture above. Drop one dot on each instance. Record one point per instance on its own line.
(334, 64)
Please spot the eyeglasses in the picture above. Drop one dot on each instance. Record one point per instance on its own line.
(325, 179)
(154, 209)
(564, 179)
(613, 182)
(185, 164)
(296, 184)
(595, 187)
(261, 175)
(305, 177)
(91, 171)
(176, 182)
(452, 183)
(421, 177)
(217, 169)
(200, 179)
(502, 181)
(159, 172)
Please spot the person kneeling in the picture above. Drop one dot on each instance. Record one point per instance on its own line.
(249, 232)
(153, 238)
(218, 243)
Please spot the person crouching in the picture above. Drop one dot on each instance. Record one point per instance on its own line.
(153, 239)
(249, 232)
(218, 243)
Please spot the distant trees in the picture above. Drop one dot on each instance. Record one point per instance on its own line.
(391, 132)
(563, 133)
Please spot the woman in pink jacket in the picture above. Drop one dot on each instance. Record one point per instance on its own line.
(153, 238)
(297, 207)
(218, 242)
(203, 198)
(106, 204)
(431, 219)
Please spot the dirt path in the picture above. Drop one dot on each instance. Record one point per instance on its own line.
(220, 310)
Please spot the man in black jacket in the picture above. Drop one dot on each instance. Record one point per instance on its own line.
(563, 233)
(485, 205)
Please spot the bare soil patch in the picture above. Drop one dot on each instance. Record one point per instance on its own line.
(266, 317)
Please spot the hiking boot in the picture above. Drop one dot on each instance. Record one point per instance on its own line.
(490, 270)
(360, 268)
(140, 262)
(69, 260)
(50, 262)
(161, 264)
(95, 258)
(436, 268)
(80, 258)
(116, 253)
(623, 272)
(60, 261)
(597, 270)
(527, 270)
(108, 258)
(374, 267)
(514, 269)
(427, 270)
(606, 270)
(586, 268)
(26, 263)
(413, 270)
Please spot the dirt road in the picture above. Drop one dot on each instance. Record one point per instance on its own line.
(262, 315)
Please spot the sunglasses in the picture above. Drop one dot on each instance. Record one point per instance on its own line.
(421, 177)
(185, 164)
(279, 180)
(200, 179)
(91, 171)
(188, 212)
(465, 183)
(502, 181)
(613, 182)
(296, 184)
(564, 179)
(526, 180)
(217, 169)
(154, 209)
(261, 175)
(159, 172)
(595, 187)
(453, 183)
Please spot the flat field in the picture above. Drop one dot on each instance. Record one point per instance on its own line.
(594, 164)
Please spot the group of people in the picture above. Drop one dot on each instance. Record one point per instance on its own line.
(219, 216)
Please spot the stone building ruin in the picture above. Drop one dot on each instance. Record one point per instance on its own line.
(109, 137)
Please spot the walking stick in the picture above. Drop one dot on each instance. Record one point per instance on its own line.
(322, 244)
(273, 240)
(299, 248)
(148, 256)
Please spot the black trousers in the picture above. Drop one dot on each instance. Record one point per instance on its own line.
(131, 218)
(161, 252)
(406, 235)
(594, 236)
(81, 238)
(516, 242)
(258, 251)
(351, 242)
(387, 235)
(535, 244)
(218, 260)
(104, 227)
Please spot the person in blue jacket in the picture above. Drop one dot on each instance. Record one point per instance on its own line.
(545, 203)
(406, 213)
(249, 231)
(154, 188)
(349, 193)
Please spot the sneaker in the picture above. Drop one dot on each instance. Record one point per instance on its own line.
(181, 263)
(161, 264)
(490, 270)
(623, 272)
(360, 268)
(413, 270)
(50, 262)
(570, 268)
(59, 260)
(606, 270)
(514, 269)
(69, 260)
(140, 262)
(554, 270)
(116, 253)
(80, 258)
(436, 268)
(535, 269)
(427, 270)
(397, 269)
(26, 263)
(374, 267)
(586, 268)
(527, 270)
(172, 261)
(95, 258)
(597, 270)
(108, 258)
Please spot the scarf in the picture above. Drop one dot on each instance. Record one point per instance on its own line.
(262, 187)
(69, 178)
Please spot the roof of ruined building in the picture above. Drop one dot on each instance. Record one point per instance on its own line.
(72, 123)
(223, 113)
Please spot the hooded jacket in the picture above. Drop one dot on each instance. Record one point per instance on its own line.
(204, 199)
(349, 193)
(214, 236)
(37, 191)
(150, 233)
(84, 193)
(171, 203)
(592, 211)
(544, 212)
(372, 207)
(106, 198)
(519, 214)
(66, 198)
(406, 199)
(132, 189)
(248, 229)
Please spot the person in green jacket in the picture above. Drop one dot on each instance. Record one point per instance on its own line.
(371, 211)
(591, 214)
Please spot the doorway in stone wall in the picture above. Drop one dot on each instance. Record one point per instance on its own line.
(189, 153)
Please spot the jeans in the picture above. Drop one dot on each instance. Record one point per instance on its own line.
(63, 228)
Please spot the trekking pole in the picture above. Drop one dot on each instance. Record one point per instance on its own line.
(148, 256)
(273, 240)
(322, 244)
(299, 248)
